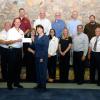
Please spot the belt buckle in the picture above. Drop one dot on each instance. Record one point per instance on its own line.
(10, 47)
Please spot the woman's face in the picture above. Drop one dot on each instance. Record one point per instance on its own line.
(65, 32)
(17, 23)
(33, 33)
(39, 30)
(52, 32)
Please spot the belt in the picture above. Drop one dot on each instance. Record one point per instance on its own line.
(10, 47)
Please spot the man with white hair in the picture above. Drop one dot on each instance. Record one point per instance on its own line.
(42, 20)
(4, 49)
(73, 23)
(58, 24)
(72, 27)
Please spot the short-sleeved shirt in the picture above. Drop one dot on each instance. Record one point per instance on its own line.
(92, 42)
(13, 34)
(65, 43)
(58, 25)
(3, 36)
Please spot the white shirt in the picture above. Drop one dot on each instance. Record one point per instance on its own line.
(53, 46)
(3, 36)
(72, 27)
(13, 34)
(45, 23)
(92, 42)
(81, 43)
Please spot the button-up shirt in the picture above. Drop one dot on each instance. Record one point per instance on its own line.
(58, 25)
(45, 23)
(13, 34)
(72, 26)
(89, 29)
(92, 42)
(3, 36)
(53, 46)
(81, 43)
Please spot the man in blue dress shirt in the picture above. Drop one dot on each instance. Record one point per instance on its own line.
(73, 23)
(58, 24)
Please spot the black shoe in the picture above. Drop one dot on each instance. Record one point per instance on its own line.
(43, 89)
(18, 86)
(37, 87)
(10, 87)
(43, 86)
(80, 82)
(98, 84)
(92, 81)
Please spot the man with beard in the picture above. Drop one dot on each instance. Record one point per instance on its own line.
(91, 26)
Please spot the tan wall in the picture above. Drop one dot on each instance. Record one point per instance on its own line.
(9, 8)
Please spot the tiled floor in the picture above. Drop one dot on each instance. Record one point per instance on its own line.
(58, 85)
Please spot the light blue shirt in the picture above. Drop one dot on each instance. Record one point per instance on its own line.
(72, 26)
(81, 43)
(58, 25)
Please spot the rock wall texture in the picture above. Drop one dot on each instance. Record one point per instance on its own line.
(9, 9)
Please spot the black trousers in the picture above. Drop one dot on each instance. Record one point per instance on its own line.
(64, 67)
(14, 65)
(52, 66)
(78, 65)
(29, 63)
(95, 65)
(4, 63)
(30, 67)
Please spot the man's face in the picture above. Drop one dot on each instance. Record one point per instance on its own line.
(22, 13)
(92, 19)
(74, 15)
(42, 14)
(97, 32)
(7, 26)
(79, 29)
(57, 16)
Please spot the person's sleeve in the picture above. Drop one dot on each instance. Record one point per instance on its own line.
(35, 24)
(70, 40)
(9, 37)
(85, 29)
(86, 45)
(53, 47)
(32, 46)
(48, 27)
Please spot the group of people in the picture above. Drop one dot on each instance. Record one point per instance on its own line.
(67, 44)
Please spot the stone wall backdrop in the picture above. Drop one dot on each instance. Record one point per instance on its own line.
(9, 9)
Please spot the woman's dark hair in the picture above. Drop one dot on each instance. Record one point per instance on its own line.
(54, 33)
(40, 26)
